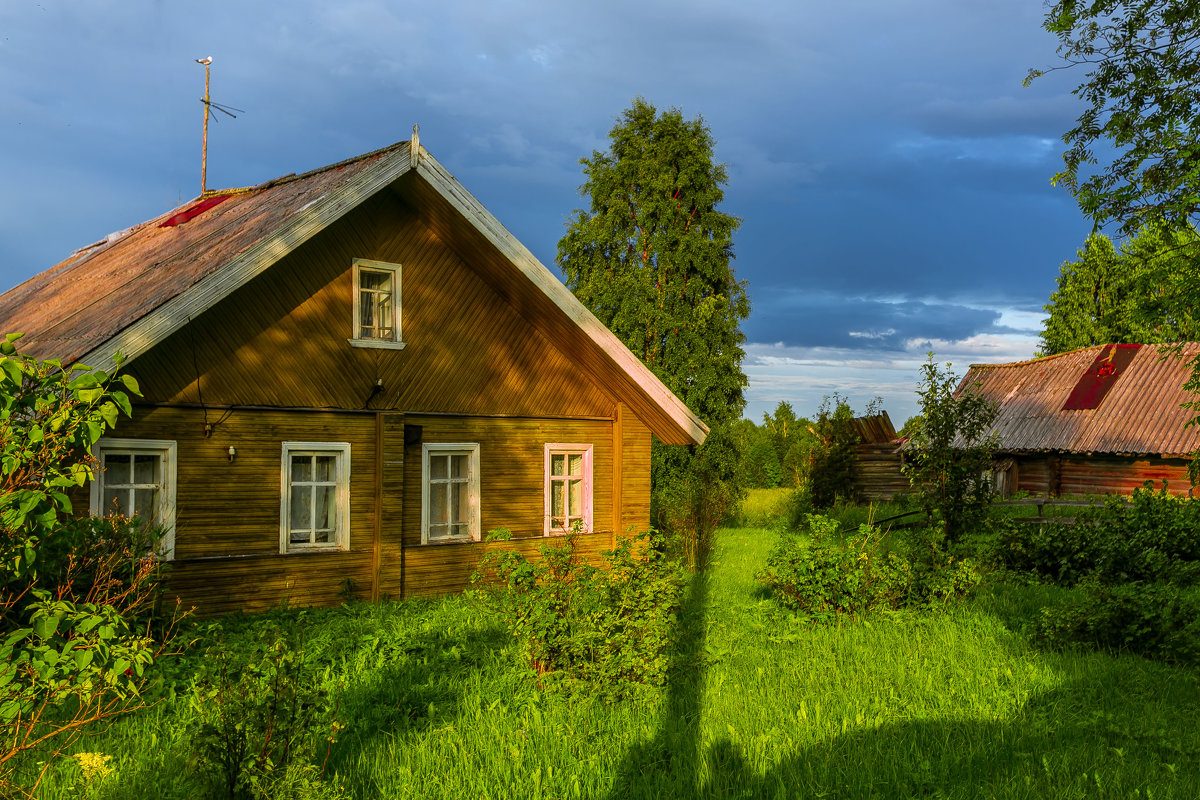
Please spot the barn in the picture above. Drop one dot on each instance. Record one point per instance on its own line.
(1092, 421)
(349, 377)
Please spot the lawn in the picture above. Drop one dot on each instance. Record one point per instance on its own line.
(954, 704)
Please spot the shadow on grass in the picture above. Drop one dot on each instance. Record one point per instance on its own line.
(1116, 728)
(668, 761)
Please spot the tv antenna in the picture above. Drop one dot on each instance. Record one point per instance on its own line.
(208, 103)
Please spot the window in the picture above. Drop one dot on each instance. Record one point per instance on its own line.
(314, 511)
(136, 478)
(450, 502)
(568, 488)
(376, 305)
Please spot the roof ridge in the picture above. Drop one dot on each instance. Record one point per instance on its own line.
(1155, 345)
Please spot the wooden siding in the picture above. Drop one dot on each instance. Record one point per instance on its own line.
(227, 514)
(635, 475)
(1074, 476)
(281, 340)
(879, 475)
(512, 474)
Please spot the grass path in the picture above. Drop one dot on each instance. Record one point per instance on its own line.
(949, 705)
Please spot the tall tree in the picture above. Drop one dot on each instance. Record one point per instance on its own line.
(652, 258)
(1141, 88)
(1139, 293)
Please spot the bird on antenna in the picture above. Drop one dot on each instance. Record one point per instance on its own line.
(204, 61)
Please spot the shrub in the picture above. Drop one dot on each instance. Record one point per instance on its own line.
(833, 466)
(262, 722)
(1157, 620)
(824, 578)
(73, 595)
(1154, 537)
(610, 627)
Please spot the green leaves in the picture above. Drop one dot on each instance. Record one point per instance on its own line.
(1141, 86)
(950, 451)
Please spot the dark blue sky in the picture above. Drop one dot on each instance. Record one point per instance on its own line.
(892, 174)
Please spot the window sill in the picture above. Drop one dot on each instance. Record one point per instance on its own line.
(378, 344)
(313, 548)
(448, 540)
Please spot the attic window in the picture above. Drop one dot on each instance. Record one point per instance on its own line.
(1100, 377)
(376, 305)
(194, 210)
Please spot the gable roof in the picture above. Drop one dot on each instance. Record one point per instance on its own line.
(131, 290)
(1135, 394)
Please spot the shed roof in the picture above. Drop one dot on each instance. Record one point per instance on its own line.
(134, 288)
(1139, 410)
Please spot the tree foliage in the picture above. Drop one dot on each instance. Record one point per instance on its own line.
(950, 452)
(651, 257)
(833, 462)
(74, 593)
(1141, 88)
(1140, 293)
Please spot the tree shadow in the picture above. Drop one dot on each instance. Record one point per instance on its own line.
(1115, 728)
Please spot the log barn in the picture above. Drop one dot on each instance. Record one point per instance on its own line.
(348, 378)
(1093, 421)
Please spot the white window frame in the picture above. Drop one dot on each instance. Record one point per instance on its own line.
(341, 538)
(471, 450)
(567, 448)
(356, 339)
(167, 452)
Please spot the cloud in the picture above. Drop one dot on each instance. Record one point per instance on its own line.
(825, 319)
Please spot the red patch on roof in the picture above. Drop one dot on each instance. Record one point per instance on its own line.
(1095, 383)
(194, 210)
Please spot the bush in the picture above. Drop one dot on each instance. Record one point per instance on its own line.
(263, 722)
(610, 627)
(1157, 620)
(833, 467)
(1154, 537)
(823, 577)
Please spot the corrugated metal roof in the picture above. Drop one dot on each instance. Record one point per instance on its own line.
(1141, 414)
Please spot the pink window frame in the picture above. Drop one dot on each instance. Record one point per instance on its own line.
(567, 448)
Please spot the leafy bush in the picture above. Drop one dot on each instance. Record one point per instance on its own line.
(833, 466)
(825, 578)
(610, 627)
(73, 595)
(1157, 620)
(1153, 537)
(262, 721)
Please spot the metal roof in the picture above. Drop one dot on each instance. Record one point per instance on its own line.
(1141, 414)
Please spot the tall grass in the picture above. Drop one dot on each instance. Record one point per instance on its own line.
(955, 704)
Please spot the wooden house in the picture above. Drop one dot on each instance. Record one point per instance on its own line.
(1093, 421)
(349, 377)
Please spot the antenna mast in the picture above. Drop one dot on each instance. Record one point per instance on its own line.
(208, 103)
(207, 62)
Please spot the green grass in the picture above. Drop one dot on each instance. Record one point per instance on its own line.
(762, 508)
(954, 704)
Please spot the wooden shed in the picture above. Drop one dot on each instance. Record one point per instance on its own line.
(353, 373)
(879, 459)
(1093, 421)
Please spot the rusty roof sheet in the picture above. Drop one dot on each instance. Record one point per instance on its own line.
(1141, 414)
(99, 290)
